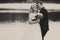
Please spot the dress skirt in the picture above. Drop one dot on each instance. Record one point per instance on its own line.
(33, 32)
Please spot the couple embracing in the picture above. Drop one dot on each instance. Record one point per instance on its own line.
(38, 20)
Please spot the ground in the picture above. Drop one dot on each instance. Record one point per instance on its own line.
(16, 30)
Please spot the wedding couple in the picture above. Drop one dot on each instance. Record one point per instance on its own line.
(38, 22)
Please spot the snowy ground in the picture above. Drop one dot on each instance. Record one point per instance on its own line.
(16, 30)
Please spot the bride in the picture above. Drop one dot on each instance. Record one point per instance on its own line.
(33, 31)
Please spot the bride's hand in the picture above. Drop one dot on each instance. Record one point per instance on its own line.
(40, 15)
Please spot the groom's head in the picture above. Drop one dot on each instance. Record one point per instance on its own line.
(39, 5)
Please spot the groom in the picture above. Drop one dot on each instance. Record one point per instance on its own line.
(43, 21)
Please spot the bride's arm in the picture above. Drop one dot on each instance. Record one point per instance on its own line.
(31, 18)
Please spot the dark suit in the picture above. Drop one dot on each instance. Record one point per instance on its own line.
(44, 22)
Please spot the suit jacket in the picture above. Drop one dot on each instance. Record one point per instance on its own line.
(44, 22)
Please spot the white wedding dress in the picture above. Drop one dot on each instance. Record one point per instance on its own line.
(33, 32)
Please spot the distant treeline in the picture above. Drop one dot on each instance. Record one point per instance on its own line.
(20, 1)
